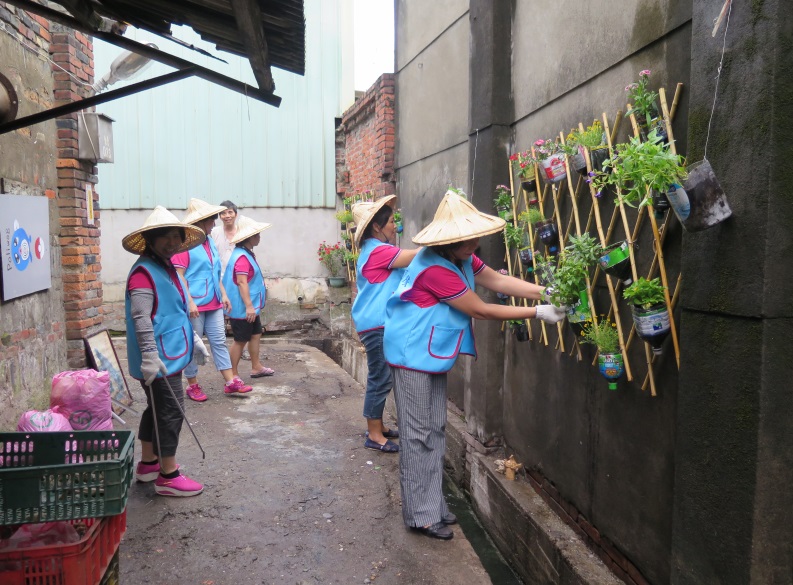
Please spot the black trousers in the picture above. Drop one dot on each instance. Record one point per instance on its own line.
(169, 417)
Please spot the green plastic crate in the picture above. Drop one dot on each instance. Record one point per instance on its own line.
(64, 476)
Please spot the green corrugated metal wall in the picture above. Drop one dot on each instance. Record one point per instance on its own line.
(192, 138)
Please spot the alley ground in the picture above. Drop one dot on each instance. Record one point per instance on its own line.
(291, 495)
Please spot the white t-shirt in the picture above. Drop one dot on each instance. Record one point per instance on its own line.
(225, 247)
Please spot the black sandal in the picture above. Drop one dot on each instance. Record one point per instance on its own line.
(387, 447)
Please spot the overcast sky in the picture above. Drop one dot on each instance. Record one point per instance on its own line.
(374, 41)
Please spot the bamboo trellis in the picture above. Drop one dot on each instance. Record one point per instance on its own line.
(568, 205)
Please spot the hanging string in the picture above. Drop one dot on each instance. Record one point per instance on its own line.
(473, 171)
(718, 75)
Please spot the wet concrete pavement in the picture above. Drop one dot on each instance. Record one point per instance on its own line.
(291, 496)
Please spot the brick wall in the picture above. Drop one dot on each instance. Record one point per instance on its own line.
(32, 327)
(365, 143)
(79, 237)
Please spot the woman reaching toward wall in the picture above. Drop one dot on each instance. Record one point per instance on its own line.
(428, 324)
(380, 267)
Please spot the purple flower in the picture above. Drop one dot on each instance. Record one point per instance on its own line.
(588, 181)
(599, 193)
(631, 86)
(591, 173)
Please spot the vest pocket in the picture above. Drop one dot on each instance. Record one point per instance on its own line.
(201, 291)
(445, 342)
(173, 343)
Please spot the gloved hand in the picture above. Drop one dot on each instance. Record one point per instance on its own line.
(550, 313)
(151, 365)
(200, 353)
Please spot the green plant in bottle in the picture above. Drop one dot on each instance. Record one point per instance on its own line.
(645, 293)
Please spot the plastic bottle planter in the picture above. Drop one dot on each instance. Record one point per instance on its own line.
(578, 163)
(521, 332)
(578, 313)
(348, 244)
(652, 325)
(528, 185)
(708, 203)
(597, 156)
(549, 234)
(611, 367)
(502, 298)
(660, 203)
(399, 227)
(616, 262)
(554, 168)
(504, 212)
(525, 256)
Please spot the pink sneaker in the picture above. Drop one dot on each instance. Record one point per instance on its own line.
(236, 386)
(180, 486)
(195, 392)
(145, 472)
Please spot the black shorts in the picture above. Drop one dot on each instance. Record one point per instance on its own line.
(243, 331)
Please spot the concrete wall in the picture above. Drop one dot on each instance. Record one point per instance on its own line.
(32, 343)
(476, 81)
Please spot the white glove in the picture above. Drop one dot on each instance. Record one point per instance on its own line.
(151, 365)
(550, 313)
(200, 353)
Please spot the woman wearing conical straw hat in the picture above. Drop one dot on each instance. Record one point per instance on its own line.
(380, 267)
(206, 300)
(428, 324)
(160, 344)
(245, 287)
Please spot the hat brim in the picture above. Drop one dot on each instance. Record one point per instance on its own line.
(360, 227)
(249, 233)
(204, 214)
(136, 243)
(441, 232)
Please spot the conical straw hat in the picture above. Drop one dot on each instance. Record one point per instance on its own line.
(246, 227)
(198, 210)
(160, 218)
(457, 220)
(364, 211)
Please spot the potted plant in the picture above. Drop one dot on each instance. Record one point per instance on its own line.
(350, 258)
(616, 262)
(638, 168)
(332, 257)
(398, 220)
(644, 108)
(592, 139)
(520, 329)
(605, 337)
(649, 311)
(546, 229)
(513, 235)
(503, 202)
(345, 236)
(523, 163)
(567, 279)
(344, 216)
(551, 158)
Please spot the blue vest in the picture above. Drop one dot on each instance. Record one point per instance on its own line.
(173, 332)
(429, 339)
(255, 287)
(203, 274)
(368, 309)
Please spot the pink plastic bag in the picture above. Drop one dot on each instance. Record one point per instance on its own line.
(83, 396)
(34, 421)
(44, 534)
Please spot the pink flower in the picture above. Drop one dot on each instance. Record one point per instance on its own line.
(540, 142)
(631, 86)
(645, 72)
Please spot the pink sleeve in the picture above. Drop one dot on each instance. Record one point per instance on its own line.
(443, 283)
(378, 265)
(181, 260)
(243, 266)
(476, 264)
(140, 279)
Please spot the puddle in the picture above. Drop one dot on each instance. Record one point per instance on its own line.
(499, 571)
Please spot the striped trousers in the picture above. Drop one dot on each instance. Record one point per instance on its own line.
(421, 411)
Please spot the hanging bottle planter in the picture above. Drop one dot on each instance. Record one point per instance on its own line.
(525, 256)
(529, 186)
(652, 325)
(520, 330)
(579, 314)
(660, 203)
(548, 234)
(616, 262)
(707, 201)
(611, 367)
(597, 156)
(554, 168)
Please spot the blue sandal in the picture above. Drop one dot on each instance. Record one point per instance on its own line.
(387, 447)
